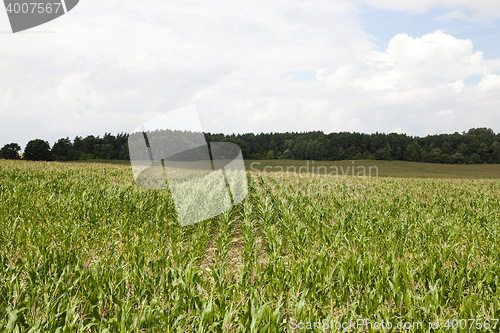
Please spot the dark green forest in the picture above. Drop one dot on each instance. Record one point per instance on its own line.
(476, 146)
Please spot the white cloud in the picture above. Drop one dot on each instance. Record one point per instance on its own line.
(73, 88)
(5, 97)
(458, 85)
(444, 113)
(432, 60)
(340, 78)
(491, 81)
(112, 65)
(341, 121)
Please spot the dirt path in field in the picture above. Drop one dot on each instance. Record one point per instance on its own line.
(234, 258)
(210, 251)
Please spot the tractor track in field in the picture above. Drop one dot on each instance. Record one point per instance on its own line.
(209, 254)
(234, 259)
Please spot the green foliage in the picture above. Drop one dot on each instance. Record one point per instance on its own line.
(10, 151)
(37, 150)
(288, 154)
(384, 153)
(477, 146)
(109, 147)
(85, 250)
(352, 146)
(63, 150)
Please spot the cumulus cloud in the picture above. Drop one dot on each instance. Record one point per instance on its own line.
(488, 82)
(457, 85)
(430, 61)
(112, 65)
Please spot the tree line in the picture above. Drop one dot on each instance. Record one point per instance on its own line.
(108, 147)
(476, 146)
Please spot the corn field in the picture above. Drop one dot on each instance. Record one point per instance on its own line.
(83, 249)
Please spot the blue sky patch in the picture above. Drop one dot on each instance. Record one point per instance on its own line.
(383, 25)
(301, 76)
(473, 79)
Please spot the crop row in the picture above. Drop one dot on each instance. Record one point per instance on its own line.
(84, 249)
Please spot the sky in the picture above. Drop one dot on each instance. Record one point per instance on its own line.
(419, 67)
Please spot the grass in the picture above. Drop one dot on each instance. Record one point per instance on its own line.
(396, 169)
(84, 249)
(100, 161)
